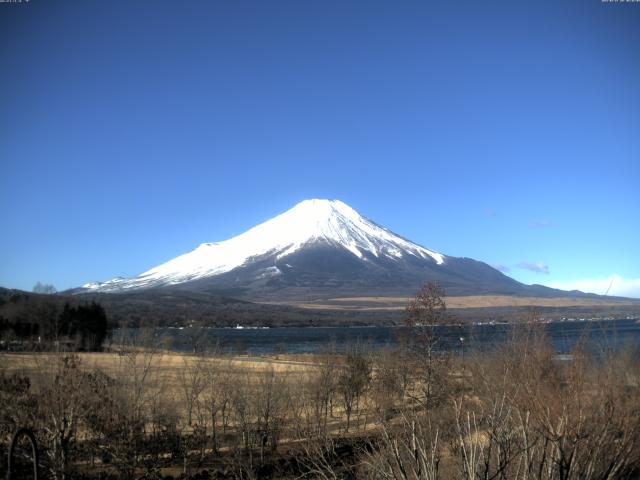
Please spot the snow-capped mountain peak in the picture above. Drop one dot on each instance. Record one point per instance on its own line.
(308, 223)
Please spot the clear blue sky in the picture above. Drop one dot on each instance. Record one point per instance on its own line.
(508, 132)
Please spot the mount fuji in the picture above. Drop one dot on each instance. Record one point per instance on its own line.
(319, 248)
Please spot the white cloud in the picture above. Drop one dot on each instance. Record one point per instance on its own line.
(535, 267)
(620, 287)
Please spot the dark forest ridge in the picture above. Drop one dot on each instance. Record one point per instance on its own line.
(174, 307)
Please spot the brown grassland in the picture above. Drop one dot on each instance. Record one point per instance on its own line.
(390, 303)
(518, 412)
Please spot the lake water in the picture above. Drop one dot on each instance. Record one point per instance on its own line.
(564, 335)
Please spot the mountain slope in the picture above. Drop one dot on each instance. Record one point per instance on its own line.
(319, 248)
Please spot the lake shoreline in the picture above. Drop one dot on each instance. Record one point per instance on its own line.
(563, 334)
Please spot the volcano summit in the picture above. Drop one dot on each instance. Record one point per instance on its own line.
(320, 248)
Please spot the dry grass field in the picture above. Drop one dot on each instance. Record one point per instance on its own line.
(166, 369)
(166, 362)
(471, 301)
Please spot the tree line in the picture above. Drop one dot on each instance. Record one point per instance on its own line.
(42, 324)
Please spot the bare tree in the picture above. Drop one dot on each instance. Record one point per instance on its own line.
(271, 400)
(425, 313)
(411, 451)
(321, 388)
(240, 401)
(64, 405)
(191, 378)
(326, 459)
(390, 381)
(126, 405)
(44, 288)
(216, 397)
(353, 380)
